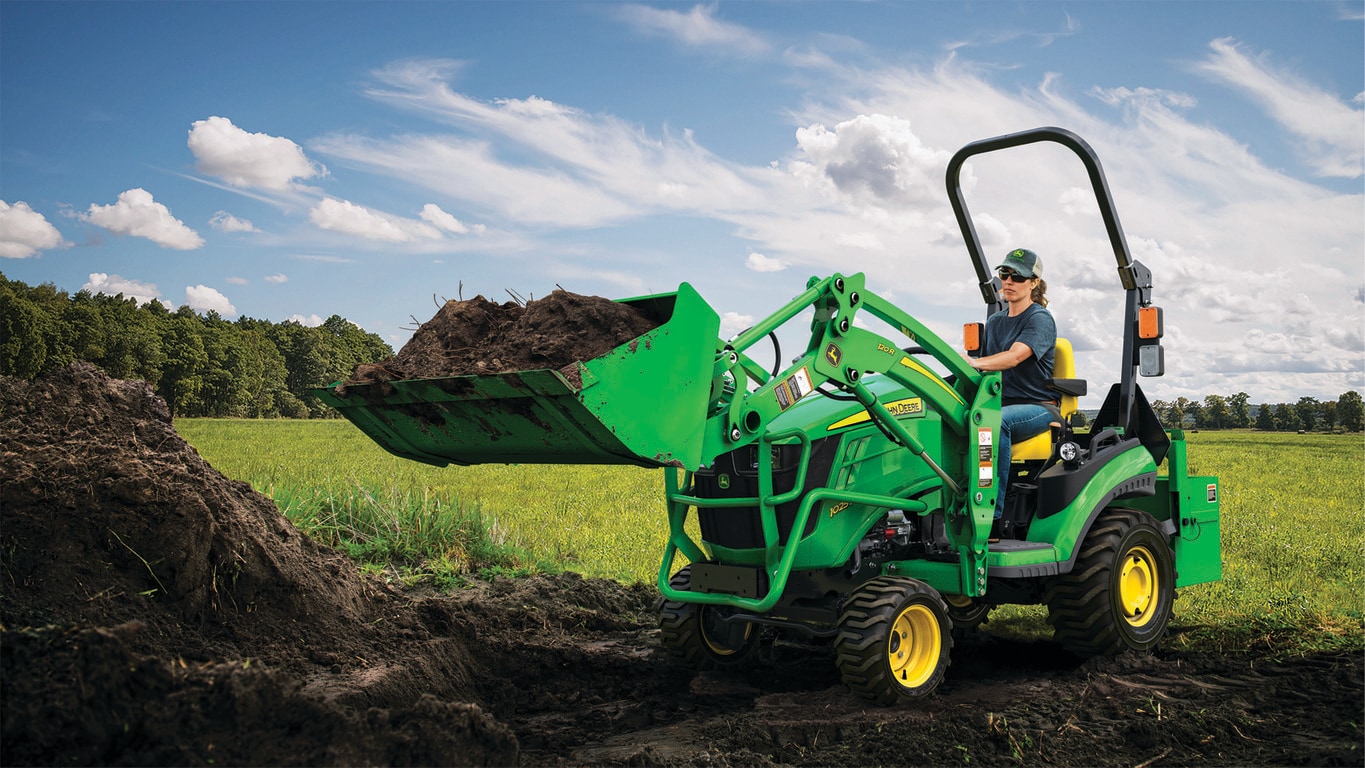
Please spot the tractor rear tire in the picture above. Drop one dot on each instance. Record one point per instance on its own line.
(894, 639)
(1119, 593)
(697, 634)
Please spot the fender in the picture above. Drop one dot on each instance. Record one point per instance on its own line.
(1123, 470)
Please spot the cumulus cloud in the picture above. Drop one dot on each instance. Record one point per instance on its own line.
(733, 323)
(874, 159)
(113, 285)
(697, 27)
(760, 263)
(312, 321)
(202, 298)
(226, 222)
(244, 159)
(1329, 127)
(137, 214)
(350, 219)
(438, 218)
(24, 232)
(276, 279)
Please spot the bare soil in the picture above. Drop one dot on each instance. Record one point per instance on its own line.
(477, 336)
(154, 612)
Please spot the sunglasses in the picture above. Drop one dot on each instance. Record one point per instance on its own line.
(1013, 277)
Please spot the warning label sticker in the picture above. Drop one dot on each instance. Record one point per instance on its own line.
(983, 445)
(793, 388)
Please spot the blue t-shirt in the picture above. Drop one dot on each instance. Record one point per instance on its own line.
(1036, 328)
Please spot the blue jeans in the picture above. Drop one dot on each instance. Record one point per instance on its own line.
(1017, 422)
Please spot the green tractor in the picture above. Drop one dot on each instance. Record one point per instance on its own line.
(851, 495)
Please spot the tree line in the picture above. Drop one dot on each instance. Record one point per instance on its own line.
(1346, 413)
(202, 365)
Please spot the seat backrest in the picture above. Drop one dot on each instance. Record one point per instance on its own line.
(1064, 367)
(1039, 447)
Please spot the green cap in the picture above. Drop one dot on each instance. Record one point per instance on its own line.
(1024, 262)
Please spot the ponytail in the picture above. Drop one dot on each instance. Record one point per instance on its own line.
(1040, 293)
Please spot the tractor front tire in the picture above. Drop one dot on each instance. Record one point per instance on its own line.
(1119, 593)
(697, 634)
(967, 613)
(894, 638)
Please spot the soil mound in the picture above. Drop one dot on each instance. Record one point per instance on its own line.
(477, 336)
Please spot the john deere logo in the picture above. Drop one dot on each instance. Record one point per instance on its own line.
(723, 481)
(833, 355)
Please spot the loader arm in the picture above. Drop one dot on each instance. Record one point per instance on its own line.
(841, 354)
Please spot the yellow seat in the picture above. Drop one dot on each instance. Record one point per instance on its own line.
(1039, 447)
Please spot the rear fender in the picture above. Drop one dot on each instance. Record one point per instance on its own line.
(1123, 472)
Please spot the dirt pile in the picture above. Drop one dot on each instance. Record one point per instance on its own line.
(154, 612)
(477, 336)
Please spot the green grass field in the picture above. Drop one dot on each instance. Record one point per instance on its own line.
(1292, 523)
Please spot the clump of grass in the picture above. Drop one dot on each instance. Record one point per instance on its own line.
(408, 536)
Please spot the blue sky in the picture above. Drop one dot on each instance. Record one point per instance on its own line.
(297, 160)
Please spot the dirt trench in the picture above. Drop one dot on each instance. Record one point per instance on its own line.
(155, 612)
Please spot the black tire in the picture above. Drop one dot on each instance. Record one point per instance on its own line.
(1118, 594)
(894, 640)
(967, 613)
(696, 633)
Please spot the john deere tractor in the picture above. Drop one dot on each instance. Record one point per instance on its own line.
(850, 495)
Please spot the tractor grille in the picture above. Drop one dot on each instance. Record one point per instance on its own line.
(741, 527)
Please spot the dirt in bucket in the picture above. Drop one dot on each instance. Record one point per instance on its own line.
(478, 336)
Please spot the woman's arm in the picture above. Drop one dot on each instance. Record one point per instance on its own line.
(1003, 361)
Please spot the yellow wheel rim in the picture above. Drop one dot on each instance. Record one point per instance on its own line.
(914, 646)
(958, 601)
(719, 648)
(1138, 586)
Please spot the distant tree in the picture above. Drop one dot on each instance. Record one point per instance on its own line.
(1176, 416)
(186, 361)
(1265, 418)
(1351, 411)
(1195, 412)
(1241, 416)
(1307, 408)
(24, 327)
(1328, 409)
(1286, 418)
(1216, 413)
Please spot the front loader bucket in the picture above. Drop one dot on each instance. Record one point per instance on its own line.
(642, 403)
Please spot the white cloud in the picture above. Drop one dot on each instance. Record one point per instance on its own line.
(312, 321)
(1330, 128)
(874, 159)
(760, 263)
(202, 298)
(581, 170)
(24, 232)
(113, 285)
(245, 159)
(226, 222)
(348, 218)
(276, 279)
(238, 281)
(137, 214)
(734, 323)
(433, 214)
(697, 27)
